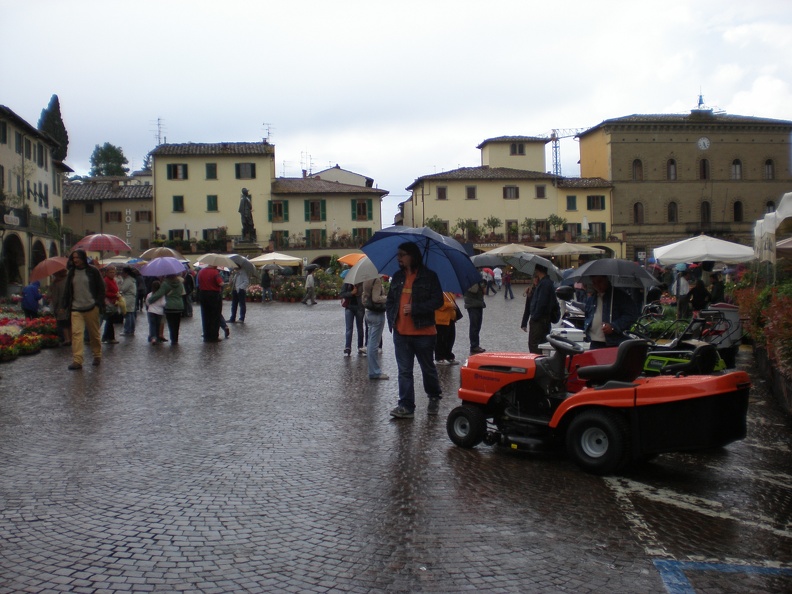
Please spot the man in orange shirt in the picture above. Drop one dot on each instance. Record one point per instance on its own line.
(413, 297)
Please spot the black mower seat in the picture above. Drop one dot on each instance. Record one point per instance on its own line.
(702, 362)
(629, 364)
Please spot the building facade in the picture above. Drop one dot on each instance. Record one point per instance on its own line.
(31, 186)
(677, 176)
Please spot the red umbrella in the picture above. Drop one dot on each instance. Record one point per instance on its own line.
(101, 242)
(47, 267)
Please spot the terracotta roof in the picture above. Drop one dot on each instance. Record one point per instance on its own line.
(99, 192)
(584, 182)
(696, 117)
(484, 173)
(514, 139)
(192, 149)
(310, 185)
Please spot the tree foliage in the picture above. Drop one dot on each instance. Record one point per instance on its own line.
(52, 124)
(108, 160)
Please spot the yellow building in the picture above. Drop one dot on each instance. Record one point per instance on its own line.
(31, 186)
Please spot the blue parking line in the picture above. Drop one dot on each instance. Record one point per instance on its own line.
(676, 582)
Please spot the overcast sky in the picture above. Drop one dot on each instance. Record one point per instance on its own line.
(391, 90)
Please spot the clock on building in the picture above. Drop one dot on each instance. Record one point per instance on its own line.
(703, 143)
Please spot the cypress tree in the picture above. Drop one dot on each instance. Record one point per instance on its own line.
(51, 122)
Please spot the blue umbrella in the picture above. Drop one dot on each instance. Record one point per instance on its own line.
(163, 267)
(443, 255)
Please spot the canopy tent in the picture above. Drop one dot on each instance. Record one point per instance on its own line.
(767, 227)
(571, 249)
(277, 258)
(784, 247)
(703, 248)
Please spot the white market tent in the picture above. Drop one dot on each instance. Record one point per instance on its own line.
(766, 228)
(703, 248)
(277, 258)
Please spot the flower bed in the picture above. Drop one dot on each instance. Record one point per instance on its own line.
(19, 336)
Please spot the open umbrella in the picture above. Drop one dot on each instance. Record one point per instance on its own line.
(526, 263)
(312, 267)
(362, 271)
(101, 242)
(272, 267)
(277, 258)
(163, 267)
(622, 273)
(515, 248)
(47, 267)
(159, 252)
(570, 249)
(487, 259)
(243, 263)
(702, 248)
(445, 256)
(219, 260)
(351, 259)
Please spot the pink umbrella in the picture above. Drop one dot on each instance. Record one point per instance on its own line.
(101, 242)
(47, 267)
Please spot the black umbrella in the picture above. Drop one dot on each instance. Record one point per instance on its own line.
(312, 267)
(622, 273)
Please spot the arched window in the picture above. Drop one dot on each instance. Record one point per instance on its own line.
(671, 172)
(736, 169)
(738, 212)
(769, 169)
(706, 213)
(637, 170)
(704, 169)
(638, 213)
(673, 212)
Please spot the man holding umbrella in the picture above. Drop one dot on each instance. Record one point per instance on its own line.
(413, 297)
(609, 313)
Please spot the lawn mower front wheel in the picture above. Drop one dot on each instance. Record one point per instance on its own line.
(466, 426)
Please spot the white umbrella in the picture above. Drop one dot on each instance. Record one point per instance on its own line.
(703, 248)
(219, 260)
(515, 248)
(570, 249)
(362, 271)
(277, 258)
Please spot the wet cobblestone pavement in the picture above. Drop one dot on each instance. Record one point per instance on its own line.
(268, 462)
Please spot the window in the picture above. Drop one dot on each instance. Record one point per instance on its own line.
(595, 202)
(512, 230)
(517, 148)
(673, 212)
(638, 213)
(211, 203)
(315, 210)
(637, 170)
(278, 211)
(113, 216)
(671, 170)
(28, 149)
(211, 171)
(177, 171)
(281, 239)
(144, 244)
(738, 212)
(361, 235)
(66, 208)
(3, 133)
(143, 216)
(245, 170)
(704, 169)
(470, 193)
(597, 231)
(2, 178)
(40, 154)
(769, 169)
(442, 193)
(178, 204)
(573, 229)
(89, 209)
(706, 213)
(315, 238)
(511, 192)
(18, 142)
(736, 169)
(362, 210)
(175, 234)
(540, 192)
(571, 203)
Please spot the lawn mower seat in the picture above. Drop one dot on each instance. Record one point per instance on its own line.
(629, 365)
(702, 362)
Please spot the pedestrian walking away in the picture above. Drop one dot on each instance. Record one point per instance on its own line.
(310, 294)
(240, 281)
(413, 297)
(374, 299)
(353, 316)
(210, 285)
(128, 290)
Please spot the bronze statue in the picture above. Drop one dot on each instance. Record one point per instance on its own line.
(246, 212)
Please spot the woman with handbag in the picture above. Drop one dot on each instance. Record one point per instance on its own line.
(445, 321)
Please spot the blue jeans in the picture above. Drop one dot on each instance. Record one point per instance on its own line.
(353, 314)
(475, 317)
(238, 299)
(507, 292)
(130, 317)
(408, 349)
(376, 322)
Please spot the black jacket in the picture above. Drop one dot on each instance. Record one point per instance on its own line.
(427, 296)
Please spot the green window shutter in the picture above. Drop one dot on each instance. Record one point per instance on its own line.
(324, 237)
(185, 171)
(307, 209)
(236, 170)
(324, 210)
(370, 209)
(308, 238)
(354, 209)
(252, 171)
(269, 210)
(354, 233)
(285, 211)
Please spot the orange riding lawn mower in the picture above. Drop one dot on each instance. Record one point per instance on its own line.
(608, 418)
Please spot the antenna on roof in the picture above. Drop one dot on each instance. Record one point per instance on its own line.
(269, 129)
(158, 133)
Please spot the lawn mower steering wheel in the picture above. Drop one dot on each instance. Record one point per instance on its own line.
(565, 345)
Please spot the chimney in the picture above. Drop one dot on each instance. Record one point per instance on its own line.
(305, 173)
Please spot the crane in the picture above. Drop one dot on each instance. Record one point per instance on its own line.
(555, 136)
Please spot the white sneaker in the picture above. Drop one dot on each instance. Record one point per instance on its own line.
(362, 350)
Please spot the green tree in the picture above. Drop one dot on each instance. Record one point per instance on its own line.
(51, 123)
(492, 223)
(436, 224)
(556, 222)
(108, 160)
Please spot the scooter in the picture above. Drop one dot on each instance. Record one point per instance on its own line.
(521, 401)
